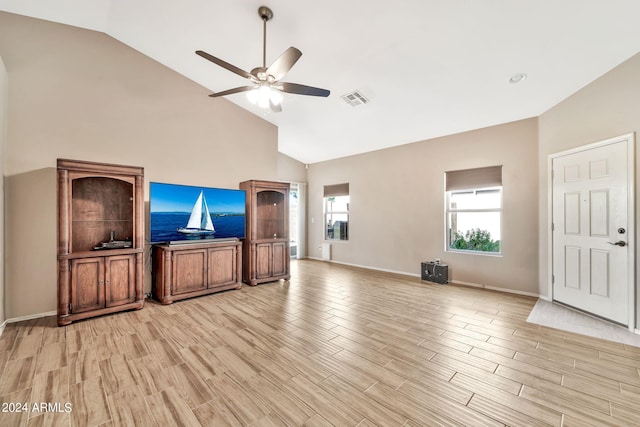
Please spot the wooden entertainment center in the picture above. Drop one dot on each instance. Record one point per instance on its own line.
(194, 269)
(101, 244)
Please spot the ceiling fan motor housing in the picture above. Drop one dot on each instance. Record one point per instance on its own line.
(261, 74)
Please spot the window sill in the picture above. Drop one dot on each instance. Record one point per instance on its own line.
(489, 254)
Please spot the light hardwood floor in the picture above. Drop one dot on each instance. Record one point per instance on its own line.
(334, 346)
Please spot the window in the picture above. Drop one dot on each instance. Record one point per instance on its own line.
(474, 210)
(336, 212)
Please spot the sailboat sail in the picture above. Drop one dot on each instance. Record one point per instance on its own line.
(200, 218)
(206, 223)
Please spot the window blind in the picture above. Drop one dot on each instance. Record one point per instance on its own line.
(336, 190)
(467, 179)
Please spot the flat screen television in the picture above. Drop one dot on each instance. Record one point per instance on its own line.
(185, 213)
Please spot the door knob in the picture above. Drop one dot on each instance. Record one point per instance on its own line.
(619, 243)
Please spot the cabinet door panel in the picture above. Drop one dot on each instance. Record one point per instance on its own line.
(222, 266)
(87, 284)
(279, 252)
(120, 280)
(270, 214)
(263, 260)
(189, 271)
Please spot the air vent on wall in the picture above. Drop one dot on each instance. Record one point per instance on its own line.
(354, 98)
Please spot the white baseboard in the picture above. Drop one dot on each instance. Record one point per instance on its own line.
(404, 273)
(457, 282)
(28, 317)
(31, 316)
(495, 288)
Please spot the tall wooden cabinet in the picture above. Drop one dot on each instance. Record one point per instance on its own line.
(266, 247)
(100, 239)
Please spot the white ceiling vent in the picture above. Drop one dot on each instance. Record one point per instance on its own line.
(354, 98)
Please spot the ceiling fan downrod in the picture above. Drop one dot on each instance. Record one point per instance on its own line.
(266, 14)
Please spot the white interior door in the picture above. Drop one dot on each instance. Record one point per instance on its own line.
(591, 237)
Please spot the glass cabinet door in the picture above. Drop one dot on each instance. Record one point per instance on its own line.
(270, 218)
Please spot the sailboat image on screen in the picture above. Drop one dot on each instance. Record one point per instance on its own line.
(200, 220)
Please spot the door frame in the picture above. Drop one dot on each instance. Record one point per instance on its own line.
(629, 138)
(301, 188)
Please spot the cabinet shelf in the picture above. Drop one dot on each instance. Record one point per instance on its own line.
(101, 220)
(102, 252)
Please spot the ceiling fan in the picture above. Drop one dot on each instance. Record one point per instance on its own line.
(266, 86)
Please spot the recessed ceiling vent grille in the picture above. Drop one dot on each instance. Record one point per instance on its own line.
(354, 98)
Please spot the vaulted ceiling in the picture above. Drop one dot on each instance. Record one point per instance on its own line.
(429, 68)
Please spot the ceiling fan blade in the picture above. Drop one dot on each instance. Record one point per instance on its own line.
(303, 90)
(225, 64)
(284, 62)
(230, 91)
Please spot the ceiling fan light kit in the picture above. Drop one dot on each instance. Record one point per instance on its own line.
(267, 88)
(264, 97)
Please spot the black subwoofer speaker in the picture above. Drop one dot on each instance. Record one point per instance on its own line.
(435, 272)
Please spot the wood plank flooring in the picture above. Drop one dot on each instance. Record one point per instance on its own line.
(333, 346)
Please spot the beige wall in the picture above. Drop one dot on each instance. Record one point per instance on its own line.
(397, 205)
(79, 94)
(608, 107)
(290, 169)
(3, 137)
